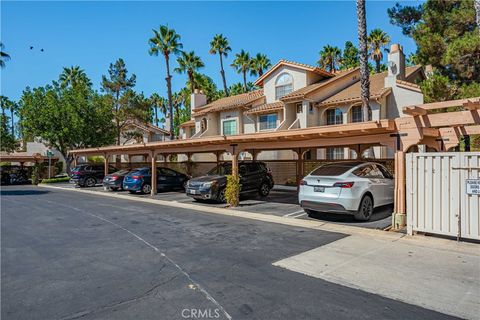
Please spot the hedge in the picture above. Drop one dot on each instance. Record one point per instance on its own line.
(56, 180)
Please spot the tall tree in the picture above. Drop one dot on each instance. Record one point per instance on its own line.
(260, 63)
(165, 42)
(350, 56)
(242, 64)
(159, 104)
(3, 56)
(119, 86)
(72, 76)
(330, 58)
(378, 40)
(189, 63)
(220, 45)
(363, 55)
(8, 142)
(13, 109)
(67, 118)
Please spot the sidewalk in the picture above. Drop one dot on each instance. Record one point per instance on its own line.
(436, 274)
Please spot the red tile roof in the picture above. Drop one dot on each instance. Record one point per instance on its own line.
(268, 107)
(232, 102)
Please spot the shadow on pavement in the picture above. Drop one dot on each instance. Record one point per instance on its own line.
(378, 214)
(4, 192)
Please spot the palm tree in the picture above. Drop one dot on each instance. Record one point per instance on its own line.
(377, 41)
(13, 108)
(242, 64)
(260, 63)
(219, 45)
(159, 104)
(73, 76)
(330, 57)
(189, 63)
(3, 56)
(363, 56)
(165, 42)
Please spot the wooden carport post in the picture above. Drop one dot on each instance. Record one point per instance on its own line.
(154, 173)
(234, 160)
(299, 167)
(105, 164)
(399, 214)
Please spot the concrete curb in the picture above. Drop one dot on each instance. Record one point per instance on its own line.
(432, 242)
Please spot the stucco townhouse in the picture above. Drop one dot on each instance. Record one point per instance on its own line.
(295, 96)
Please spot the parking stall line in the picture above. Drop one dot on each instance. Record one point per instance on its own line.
(298, 216)
(293, 213)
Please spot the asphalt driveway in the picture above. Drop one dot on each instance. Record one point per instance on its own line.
(69, 255)
(282, 201)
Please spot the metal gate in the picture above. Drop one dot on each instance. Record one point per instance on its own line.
(437, 197)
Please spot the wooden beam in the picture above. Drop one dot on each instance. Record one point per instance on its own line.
(445, 104)
(472, 105)
(414, 111)
(430, 132)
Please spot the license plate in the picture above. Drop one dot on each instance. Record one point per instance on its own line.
(319, 189)
(193, 191)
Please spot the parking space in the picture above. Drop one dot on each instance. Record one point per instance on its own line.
(282, 201)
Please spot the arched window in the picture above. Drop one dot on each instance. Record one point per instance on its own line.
(203, 125)
(334, 116)
(356, 114)
(283, 85)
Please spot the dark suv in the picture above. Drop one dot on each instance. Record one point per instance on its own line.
(254, 177)
(88, 175)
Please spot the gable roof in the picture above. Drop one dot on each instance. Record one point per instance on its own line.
(293, 64)
(232, 102)
(267, 107)
(303, 92)
(377, 88)
(189, 123)
(146, 127)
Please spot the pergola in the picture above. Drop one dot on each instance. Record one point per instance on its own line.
(425, 124)
(24, 158)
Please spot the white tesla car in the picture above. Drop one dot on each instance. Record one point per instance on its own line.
(347, 187)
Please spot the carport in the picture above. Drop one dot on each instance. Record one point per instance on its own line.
(34, 159)
(425, 126)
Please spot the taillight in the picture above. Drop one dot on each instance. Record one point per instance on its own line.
(136, 177)
(113, 178)
(303, 183)
(75, 172)
(345, 185)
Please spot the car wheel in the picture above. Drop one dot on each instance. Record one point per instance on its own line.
(184, 185)
(221, 196)
(146, 188)
(264, 189)
(90, 182)
(309, 212)
(365, 209)
(114, 188)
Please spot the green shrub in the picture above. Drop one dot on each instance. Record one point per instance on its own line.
(232, 190)
(56, 180)
(59, 166)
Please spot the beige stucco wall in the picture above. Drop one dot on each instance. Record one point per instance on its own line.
(400, 98)
(299, 81)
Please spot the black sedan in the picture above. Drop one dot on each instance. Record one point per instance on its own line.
(114, 181)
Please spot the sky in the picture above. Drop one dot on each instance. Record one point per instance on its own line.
(94, 34)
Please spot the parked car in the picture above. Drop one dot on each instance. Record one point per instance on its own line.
(114, 181)
(254, 177)
(141, 180)
(89, 175)
(348, 188)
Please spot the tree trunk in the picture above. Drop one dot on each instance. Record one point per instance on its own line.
(169, 92)
(260, 72)
(377, 66)
(13, 125)
(245, 80)
(190, 77)
(222, 72)
(68, 163)
(363, 56)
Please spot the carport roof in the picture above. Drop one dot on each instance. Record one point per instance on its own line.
(354, 131)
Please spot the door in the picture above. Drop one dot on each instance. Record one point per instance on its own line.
(376, 183)
(245, 178)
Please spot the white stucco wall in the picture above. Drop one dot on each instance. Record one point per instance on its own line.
(400, 98)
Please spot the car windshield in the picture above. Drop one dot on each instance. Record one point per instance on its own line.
(334, 169)
(220, 170)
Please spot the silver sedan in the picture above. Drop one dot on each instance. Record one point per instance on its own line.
(352, 187)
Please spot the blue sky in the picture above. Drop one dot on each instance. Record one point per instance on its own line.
(94, 34)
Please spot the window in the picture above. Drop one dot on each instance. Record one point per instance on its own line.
(283, 86)
(357, 114)
(229, 127)
(167, 172)
(335, 153)
(368, 171)
(334, 116)
(310, 108)
(299, 108)
(267, 121)
(334, 169)
(192, 131)
(385, 172)
(203, 124)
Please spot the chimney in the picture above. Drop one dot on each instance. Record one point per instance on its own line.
(396, 65)
(197, 99)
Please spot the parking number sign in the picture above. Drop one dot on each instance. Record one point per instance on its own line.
(473, 186)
